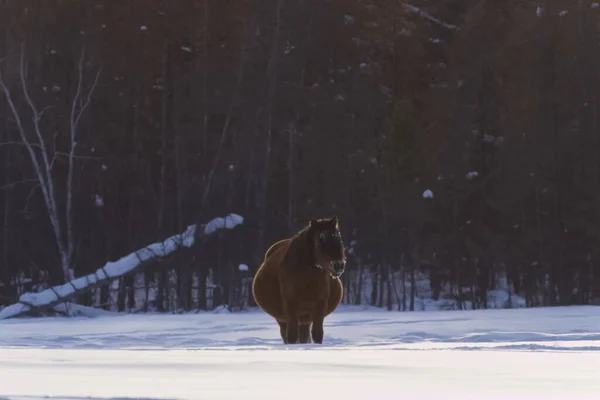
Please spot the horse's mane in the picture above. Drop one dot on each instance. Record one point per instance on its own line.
(300, 250)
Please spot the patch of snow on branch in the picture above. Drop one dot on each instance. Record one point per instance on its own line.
(288, 48)
(496, 140)
(243, 267)
(229, 222)
(472, 175)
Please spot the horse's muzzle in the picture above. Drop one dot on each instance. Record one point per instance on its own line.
(337, 268)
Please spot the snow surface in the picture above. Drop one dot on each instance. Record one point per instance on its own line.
(548, 353)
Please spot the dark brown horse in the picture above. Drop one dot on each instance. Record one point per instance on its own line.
(298, 282)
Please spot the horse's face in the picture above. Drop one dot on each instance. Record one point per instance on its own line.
(328, 245)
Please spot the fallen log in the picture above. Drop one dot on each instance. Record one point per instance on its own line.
(49, 298)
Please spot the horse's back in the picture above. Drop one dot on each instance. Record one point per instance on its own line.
(276, 247)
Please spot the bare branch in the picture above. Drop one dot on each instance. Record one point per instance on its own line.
(28, 145)
(74, 121)
(18, 144)
(13, 184)
(44, 110)
(36, 124)
(63, 154)
(29, 196)
(54, 152)
(429, 17)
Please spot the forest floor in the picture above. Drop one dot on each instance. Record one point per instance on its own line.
(544, 353)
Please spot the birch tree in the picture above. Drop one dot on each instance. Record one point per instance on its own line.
(34, 137)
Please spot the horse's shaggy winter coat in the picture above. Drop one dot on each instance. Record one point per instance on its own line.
(298, 282)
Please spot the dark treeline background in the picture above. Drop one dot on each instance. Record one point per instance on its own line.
(457, 140)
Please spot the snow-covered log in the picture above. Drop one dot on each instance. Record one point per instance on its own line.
(77, 310)
(53, 296)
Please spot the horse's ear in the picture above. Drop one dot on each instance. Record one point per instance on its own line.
(334, 221)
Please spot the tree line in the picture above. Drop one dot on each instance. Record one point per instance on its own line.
(456, 141)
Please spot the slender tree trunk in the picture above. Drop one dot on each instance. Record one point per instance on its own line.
(403, 284)
(389, 278)
(374, 286)
(5, 275)
(205, 78)
(272, 76)
(413, 273)
(291, 181)
(359, 289)
(293, 133)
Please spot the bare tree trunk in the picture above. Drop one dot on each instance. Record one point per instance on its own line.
(359, 288)
(457, 272)
(374, 286)
(77, 108)
(382, 282)
(389, 278)
(592, 281)
(291, 181)
(403, 285)
(413, 272)
(538, 217)
(5, 224)
(203, 271)
(163, 281)
(187, 269)
(205, 79)
(293, 133)
(272, 81)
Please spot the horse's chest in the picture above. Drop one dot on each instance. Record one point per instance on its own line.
(313, 289)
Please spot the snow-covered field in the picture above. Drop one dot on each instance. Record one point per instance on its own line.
(546, 354)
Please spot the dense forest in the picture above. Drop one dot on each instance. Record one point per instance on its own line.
(456, 140)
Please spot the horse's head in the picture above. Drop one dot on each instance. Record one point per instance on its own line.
(328, 246)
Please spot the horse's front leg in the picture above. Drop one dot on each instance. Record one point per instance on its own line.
(291, 313)
(318, 318)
